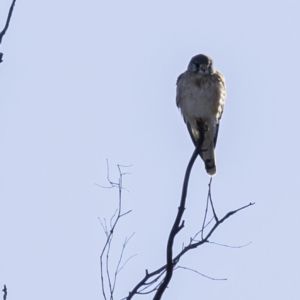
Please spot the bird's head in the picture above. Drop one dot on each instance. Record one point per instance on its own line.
(202, 64)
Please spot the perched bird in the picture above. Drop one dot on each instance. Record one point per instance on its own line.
(201, 93)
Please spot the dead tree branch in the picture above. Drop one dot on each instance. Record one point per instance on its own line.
(109, 232)
(162, 276)
(201, 274)
(178, 225)
(2, 33)
(4, 292)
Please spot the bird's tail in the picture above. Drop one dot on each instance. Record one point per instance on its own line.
(208, 156)
(207, 152)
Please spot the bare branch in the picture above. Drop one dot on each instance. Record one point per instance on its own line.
(114, 220)
(111, 219)
(103, 227)
(118, 268)
(203, 227)
(125, 213)
(206, 210)
(144, 281)
(210, 200)
(176, 227)
(151, 291)
(105, 187)
(106, 265)
(149, 284)
(189, 269)
(144, 284)
(205, 239)
(126, 261)
(4, 292)
(228, 246)
(171, 262)
(2, 33)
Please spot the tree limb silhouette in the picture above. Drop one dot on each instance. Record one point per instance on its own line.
(2, 33)
(4, 292)
(109, 232)
(162, 276)
(178, 225)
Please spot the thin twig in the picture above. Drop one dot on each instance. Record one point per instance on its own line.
(106, 265)
(211, 202)
(104, 229)
(228, 246)
(102, 278)
(118, 269)
(111, 219)
(208, 277)
(4, 292)
(203, 227)
(125, 213)
(117, 215)
(126, 261)
(206, 210)
(151, 291)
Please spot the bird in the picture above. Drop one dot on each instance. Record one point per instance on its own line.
(200, 96)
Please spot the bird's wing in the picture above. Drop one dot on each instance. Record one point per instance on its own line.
(216, 133)
(221, 81)
(177, 90)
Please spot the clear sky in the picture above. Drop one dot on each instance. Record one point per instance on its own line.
(86, 81)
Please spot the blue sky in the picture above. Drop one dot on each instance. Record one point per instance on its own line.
(86, 81)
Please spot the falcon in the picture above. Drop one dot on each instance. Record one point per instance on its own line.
(200, 96)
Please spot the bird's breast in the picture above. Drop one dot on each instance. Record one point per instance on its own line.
(199, 97)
